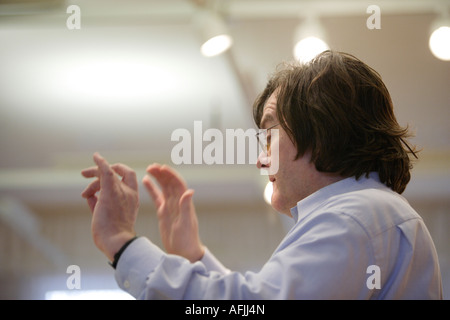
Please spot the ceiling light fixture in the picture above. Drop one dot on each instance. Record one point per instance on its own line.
(309, 40)
(439, 42)
(214, 33)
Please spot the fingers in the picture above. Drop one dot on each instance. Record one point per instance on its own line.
(105, 171)
(90, 172)
(106, 174)
(90, 194)
(92, 201)
(153, 191)
(105, 180)
(91, 189)
(186, 204)
(128, 175)
(173, 177)
(171, 183)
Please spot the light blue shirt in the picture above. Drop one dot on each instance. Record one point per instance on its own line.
(354, 239)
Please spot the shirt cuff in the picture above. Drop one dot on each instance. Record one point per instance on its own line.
(212, 264)
(135, 264)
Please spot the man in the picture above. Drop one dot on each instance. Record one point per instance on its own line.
(343, 163)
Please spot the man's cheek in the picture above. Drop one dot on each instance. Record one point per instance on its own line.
(274, 154)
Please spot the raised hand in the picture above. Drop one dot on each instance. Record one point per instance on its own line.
(115, 207)
(178, 224)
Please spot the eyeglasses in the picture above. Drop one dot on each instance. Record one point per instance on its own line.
(263, 137)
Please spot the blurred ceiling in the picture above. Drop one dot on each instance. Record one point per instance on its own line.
(133, 74)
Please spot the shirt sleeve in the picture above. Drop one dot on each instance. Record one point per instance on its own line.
(314, 261)
(212, 264)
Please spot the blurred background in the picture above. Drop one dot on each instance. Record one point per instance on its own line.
(119, 77)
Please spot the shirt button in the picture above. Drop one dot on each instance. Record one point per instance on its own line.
(126, 284)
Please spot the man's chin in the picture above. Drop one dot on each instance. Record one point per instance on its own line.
(279, 205)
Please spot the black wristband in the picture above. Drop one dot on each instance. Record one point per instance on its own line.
(119, 253)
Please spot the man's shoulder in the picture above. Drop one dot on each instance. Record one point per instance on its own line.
(375, 209)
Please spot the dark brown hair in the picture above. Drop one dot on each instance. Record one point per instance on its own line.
(339, 108)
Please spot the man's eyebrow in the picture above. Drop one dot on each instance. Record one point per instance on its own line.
(267, 118)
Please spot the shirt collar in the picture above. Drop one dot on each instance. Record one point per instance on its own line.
(294, 213)
(313, 201)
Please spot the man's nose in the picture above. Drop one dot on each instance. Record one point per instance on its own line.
(263, 160)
